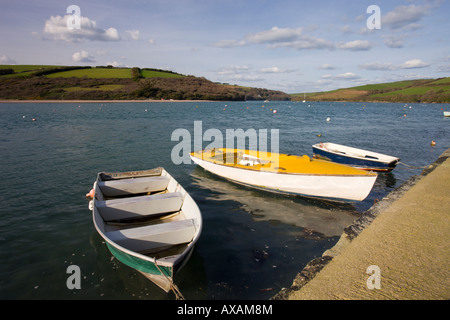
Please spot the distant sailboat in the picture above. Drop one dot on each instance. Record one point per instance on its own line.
(304, 97)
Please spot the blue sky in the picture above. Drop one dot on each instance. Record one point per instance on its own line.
(293, 46)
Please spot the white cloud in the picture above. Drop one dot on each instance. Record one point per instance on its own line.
(306, 43)
(294, 38)
(6, 60)
(404, 17)
(413, 64)
(387, 66)
(288, 38)
(83, 56)
(444, 68)
(275, 35)
(393, 41)
(114, 64)
(276, 70)
(346, 29)
(56, 29)
(327, 66)
(229, 43)
(378, 66)
(246, 78)
(342, 76)
(356, 45)
(233, 70)
(134, 34)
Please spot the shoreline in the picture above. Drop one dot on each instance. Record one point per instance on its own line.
(408, 223)
(196, 101)
(96, 101)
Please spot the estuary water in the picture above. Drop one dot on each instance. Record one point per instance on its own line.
(253, 242)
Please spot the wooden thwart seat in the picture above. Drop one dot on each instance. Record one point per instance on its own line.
(147, 238)
(122, 187)
(139, 207)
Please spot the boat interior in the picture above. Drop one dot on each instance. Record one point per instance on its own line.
(236, 158)
(142, 215)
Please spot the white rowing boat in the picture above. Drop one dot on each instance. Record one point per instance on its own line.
(148, 220)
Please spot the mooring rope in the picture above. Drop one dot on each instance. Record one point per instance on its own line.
(173, 286)
(412, 167)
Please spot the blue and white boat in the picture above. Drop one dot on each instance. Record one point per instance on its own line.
(358, 158)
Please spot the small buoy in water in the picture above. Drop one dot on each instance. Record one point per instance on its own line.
(274, 111)
(433, 143)
(319, 135)
(34, 119)
(404, 115)
(328, 119)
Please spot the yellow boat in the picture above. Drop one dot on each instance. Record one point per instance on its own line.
(287, 173)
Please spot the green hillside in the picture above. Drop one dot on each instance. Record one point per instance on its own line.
(100, 72)
(424, 90)
(30, 82)
(33, 82)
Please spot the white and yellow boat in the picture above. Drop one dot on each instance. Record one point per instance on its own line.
(286, 173)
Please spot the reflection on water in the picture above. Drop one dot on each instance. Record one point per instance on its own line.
(317, 218)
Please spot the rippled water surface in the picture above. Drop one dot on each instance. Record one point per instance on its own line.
(253, 242)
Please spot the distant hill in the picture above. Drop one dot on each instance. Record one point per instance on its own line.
(35, 82)
(424, 90)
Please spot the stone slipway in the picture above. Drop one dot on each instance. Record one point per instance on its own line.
(406, 235)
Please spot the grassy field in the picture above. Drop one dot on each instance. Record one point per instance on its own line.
(24, 70)
(423, 90)
(93, 73)
(160, 74)
(97, 73)
(105, 87)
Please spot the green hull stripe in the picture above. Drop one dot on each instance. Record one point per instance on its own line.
(139, 264)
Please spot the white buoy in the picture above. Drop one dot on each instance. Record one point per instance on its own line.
(328, 119)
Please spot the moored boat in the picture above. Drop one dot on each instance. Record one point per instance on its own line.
(358, 158)
(148, 221)
(446, 113)
(291, 174)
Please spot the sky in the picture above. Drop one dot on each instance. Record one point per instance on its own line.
(288, 45)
